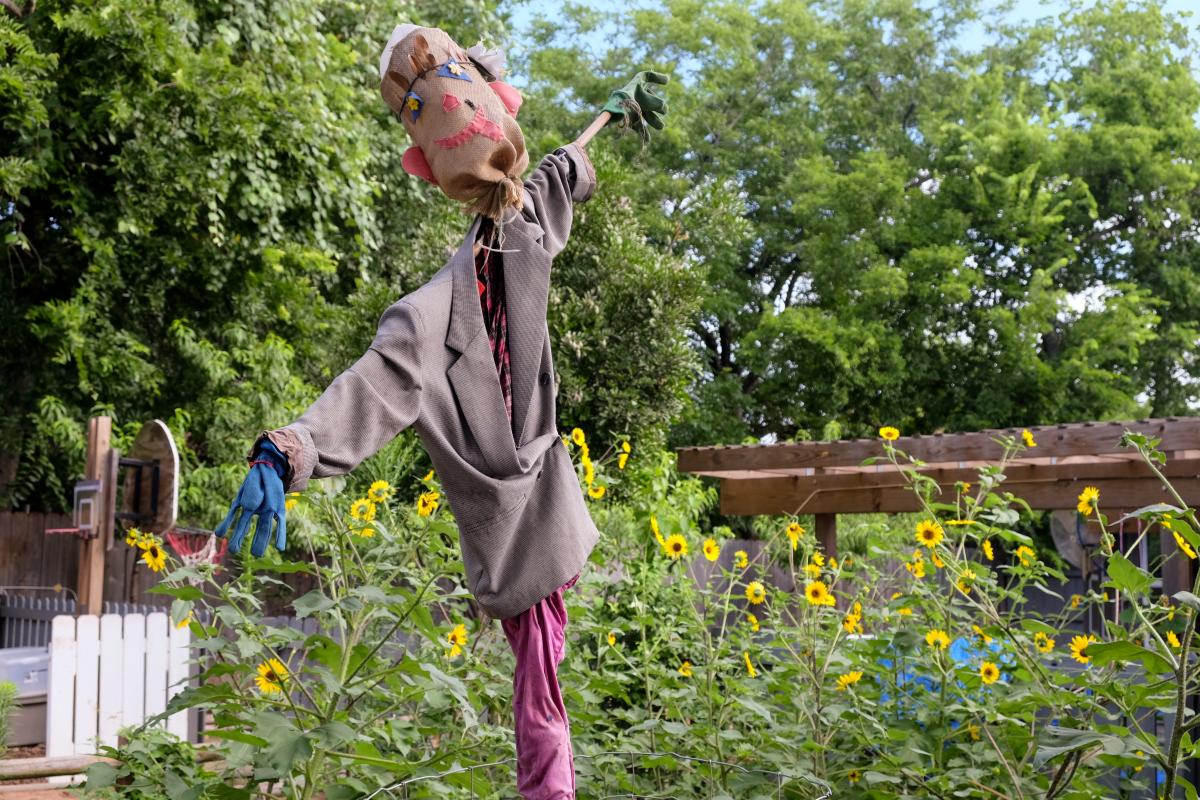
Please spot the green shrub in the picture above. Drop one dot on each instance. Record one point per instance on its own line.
(8, 704)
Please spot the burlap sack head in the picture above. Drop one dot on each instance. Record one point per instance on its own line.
(460, 117)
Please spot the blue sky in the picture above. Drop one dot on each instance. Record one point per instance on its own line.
(1023, 10)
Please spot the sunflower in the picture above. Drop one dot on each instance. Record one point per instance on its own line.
(132, 536)
(973, 732)
(1027, 438)
(929, 533)
(577, 436)
(623, 456)
(983, 637)
(794, 531)
(1079, 648)
(740, 559)
(812, 571)
(818, 594)
(959, 522)
(366, 531)
(938, 639)
(596, 492)
(183, 623)
(852, 622)
(589, 472)
(966, 580)
(676, 546)
(749, 667)
(1183, 545)
(989, 673)
(427, 503)
(291, 501)
(889, 434)
(752, 621)
(988, 551)
(612, 638)
(362, 509)
(458, 639)
(154, 557)
(854, 775)
(755, 592)
(712, 550)
(1075, 601)
(1173, 640)
(1026, 555)
(685, 669)
(271, 675)
(905, 612)
(429, 475)
(1089, 500)
(847, 680)
(380, 492)
(657, 534)
(916, 567)
(1043, 642)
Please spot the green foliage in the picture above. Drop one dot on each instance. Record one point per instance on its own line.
(693, 675)
(204, 214)
(891, 229)
(153, 764)
(8, 704)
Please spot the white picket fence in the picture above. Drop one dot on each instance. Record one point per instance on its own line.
(109, 672)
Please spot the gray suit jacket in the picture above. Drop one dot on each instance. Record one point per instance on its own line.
(523, 523)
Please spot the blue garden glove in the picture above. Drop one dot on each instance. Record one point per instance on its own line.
(261, 496)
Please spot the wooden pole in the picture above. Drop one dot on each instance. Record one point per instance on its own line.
(91, 554)
(827, 533)
(591, 130)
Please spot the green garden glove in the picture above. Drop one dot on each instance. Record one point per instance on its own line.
(635, 105)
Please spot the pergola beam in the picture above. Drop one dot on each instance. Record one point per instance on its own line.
(1078, 439)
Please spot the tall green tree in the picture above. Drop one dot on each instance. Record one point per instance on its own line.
(893, 228)
(204, 214)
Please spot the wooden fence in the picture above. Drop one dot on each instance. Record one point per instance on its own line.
(111, 671)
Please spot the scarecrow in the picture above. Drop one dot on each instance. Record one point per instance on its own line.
(465, 360)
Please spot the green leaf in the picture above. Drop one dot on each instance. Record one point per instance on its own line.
(184, 592)
(1151, 510)
(1188, 599)
(1103, 653)
(1127, 576)
(312, 603)
(101, 775)
(236, 736)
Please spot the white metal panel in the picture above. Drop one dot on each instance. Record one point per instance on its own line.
(112, 671)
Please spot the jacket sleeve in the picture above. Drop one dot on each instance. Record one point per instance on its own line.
(363, 409)
(564, 177)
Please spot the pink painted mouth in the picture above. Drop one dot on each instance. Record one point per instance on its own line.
(479, 124)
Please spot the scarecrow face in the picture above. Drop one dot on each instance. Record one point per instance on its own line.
(466, 137)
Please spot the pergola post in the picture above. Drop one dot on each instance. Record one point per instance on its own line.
(827, 533)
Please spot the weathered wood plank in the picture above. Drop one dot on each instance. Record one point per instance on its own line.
(1079, 439)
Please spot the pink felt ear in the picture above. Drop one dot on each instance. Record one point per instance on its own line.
(508, 95)
(415, 163)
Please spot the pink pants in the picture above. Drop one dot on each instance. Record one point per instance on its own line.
(545, 760)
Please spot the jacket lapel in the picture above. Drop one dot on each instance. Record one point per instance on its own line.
(526, 285)
(473, 373)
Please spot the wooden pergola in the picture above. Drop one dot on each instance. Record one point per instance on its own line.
(829, 478)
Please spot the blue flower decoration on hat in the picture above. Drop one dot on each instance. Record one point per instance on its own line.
(413, 103)
(454, 69)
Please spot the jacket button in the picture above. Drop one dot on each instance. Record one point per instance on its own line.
(544, 378)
